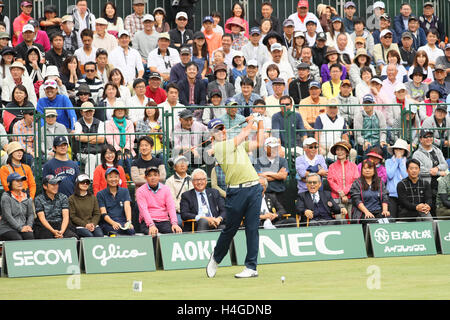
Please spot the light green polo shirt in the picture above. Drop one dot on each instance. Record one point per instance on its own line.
(235, 162)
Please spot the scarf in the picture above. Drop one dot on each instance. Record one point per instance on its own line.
(121, 125)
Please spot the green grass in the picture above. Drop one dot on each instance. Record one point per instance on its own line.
(400, 278)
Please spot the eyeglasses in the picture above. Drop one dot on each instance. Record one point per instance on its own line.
(313, 147)
(388, 37)
(85, 182)
(312, 182)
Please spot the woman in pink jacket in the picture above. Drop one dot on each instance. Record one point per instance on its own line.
(341, 175)
(123, 139)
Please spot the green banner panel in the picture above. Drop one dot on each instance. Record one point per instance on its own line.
(305, 244)
(402, 239)
(444, 236)
(29, 258)
(189, 251)
(118, 254)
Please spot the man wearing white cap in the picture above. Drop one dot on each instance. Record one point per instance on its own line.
(134, 22)
(103, 39)
(146, 40)
(29, 34)
(381, 49)
(69, 35)
(303, 15)
(373, 22)
(286, 72)
(163, 58)
(18, 76)
(181, 36)
(126, 59)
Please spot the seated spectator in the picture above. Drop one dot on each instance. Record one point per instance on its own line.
(181, 35)
(161, 24)
(419, 36)
(108, 159)
(381, 49)
(408, 126)
(84, 95)
(311, 33)
(25, 134)
(139, 99)
(226, 88)
(299, 87)
(17, 211)
(163, 58)
(87, 52)
(69, 35)
(310, 106)
(254, 47)
(95, 84)
(239, 65)
(179, 182)
(360, 31)
(401, 20)
(111, 95)
(84, 211)
(331, 88)
(15, 164)
(393, 57)
(52, 210)
(115, 206)
(246, 97)
(16, 109)
(203, 204)
(123, 138)
(414, 194)
(104, 68)
(336, 28)
(332, 128)
(272, 72)
(178, 71)
(61, 167)
(213, 38)
(347, 103)
(70, 73)
(396, 172)
(171, 104)
(151, 125)
(421, 60)
(66, 116)
(127, 59)
(272, 211)
(374, 124)
(235, 27)
(434, 96)
(438, 124)
(370, 197)
(20, 21)
(295, 51)
(308, 163)
(279, 90)
(232, 119)
(445, 61)
(317, 205)
(52, 73)
(57, 54)
(307, 57)
(117, 78)
(362, 59)
(384, 24)
(156, 207)
(407, 52)
(402, 99)
(8, 56)
(273, 168)
(188, 136)
(375, 155)
(103, 39)
(18, 76)
(319, 50)
(90, 146)
(144, 161)
(440, 74)
(29, 37)
(365, 85)
(216, 103)
(346, 54)
(52, 128)
(431, 48)
(331, 57)
(197, 96)
(237, 15)
(284, 66)
(154, 90)
(443, 200)
(416, 87)
(200, 54)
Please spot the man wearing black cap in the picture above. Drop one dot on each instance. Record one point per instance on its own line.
(320, 49)
(429, 20)
(299, 87)
(52, 210)
(154, 90)
(61, 167)
(439, 120)
(445, 61)
(50, 23)
(419, 36)
(178, 71)
(407, 52)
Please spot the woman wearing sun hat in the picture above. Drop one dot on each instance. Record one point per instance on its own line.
(341, 175)
(396, 172)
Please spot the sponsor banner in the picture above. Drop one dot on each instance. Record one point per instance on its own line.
(402, 239)
(444, 235)
(189, 251)
(118, 254)
(305, 244)
(40, 257)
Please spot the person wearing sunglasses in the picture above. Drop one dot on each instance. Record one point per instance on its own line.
(95, 84)
(84, 211)
(381, 49)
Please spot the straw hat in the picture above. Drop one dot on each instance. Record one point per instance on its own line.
(344, 144)
(13, 147)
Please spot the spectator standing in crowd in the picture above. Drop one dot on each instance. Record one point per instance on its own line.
(52, 130)
(50, 23)
(16, 164)
(396, 172)
(26, 7)
(134, 22)
(70, 36)
(317, 205)
(146, 160)
(108, 159)
(429, 20)
(52, 210)
(84, 211)
(302, 15)
(83, 19)
(89, 145)
(115, 23)
(163, 58)
(414, 194)
(61, 167)
(213, 39)
(180, 36)
(156, 207)
(115, 206)
(17, 211)
(103, 39)
(204, 205)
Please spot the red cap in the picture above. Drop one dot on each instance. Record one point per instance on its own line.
(303, 3)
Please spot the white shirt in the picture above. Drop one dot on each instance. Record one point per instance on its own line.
(300, 26)
(136, 114)
(286, 71)
(83, 57)
(433, 54)
(163, 64)
(228, 56)
(126, 63)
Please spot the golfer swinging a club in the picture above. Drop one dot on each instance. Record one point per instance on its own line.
(244, 192)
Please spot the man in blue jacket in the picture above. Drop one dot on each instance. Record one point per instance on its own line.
(401, 21)
(67, 117)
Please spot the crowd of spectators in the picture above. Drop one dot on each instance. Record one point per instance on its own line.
(359, 108)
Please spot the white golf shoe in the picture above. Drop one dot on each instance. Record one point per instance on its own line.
(247, 273)
(211, 267)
